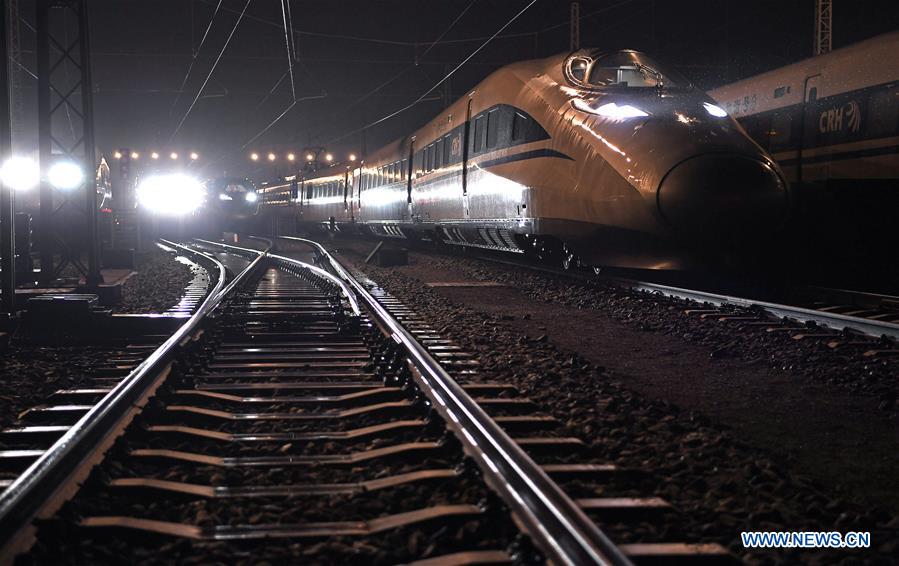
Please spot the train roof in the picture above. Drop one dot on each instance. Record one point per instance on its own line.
(866, 63)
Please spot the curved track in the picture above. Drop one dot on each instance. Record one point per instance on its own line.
(296, 406)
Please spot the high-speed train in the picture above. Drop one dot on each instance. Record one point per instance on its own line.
(832, 124)
(605, 156)
(231, 197)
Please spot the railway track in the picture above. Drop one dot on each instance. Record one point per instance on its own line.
(302, 414)
(840, 317)
(39, 426)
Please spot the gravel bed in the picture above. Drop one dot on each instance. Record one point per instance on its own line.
(158, 284)
(722, 484)
(30, 373)
(60, 542)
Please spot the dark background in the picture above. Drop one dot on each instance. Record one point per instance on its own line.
(142, 49)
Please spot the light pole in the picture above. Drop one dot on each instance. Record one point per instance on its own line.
(7, 212)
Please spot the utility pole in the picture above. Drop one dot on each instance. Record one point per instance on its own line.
(823, 26)
(7, 213)
(59, 95)
(575, 26)
(14, 45)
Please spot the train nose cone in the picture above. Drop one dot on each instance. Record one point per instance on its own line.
(723, 195)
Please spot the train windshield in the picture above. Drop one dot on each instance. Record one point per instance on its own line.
(633, 69)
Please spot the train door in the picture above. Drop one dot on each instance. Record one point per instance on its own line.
(409, 167)
(347, 214)
(302, 190)
(807, 131)
(466, 142)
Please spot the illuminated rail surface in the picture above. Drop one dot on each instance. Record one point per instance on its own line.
(283, 358)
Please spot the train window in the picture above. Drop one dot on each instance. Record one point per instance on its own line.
(430, 151)
(403, 165)
(633, 69)
(478, 128)
(883, 113)
(492, 128)
(438, 154)
(579, 68)
(391, 171)
(518, 125)
(447, 149)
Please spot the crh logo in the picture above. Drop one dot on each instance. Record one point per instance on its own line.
(848, 117)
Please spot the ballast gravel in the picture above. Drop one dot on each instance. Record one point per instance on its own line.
(722, 483)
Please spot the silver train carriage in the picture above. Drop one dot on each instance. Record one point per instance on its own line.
(611, 155)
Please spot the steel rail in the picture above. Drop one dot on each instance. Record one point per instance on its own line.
(837, 321)
(259, 255)
(52, 477)
(555, 523)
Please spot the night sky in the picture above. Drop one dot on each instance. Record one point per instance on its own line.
(345, 49)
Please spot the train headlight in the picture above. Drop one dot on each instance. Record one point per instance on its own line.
(223, 196)
(610, 110)
(251, 197)
(171, 195)
(20, 173)
(65, 175)
(714, 110)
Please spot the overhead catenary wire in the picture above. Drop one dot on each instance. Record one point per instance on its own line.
(193, 58)
(416, 63)
(212, 70)
(441, 81)
(291, 105)
(287, 42)
(345, 37)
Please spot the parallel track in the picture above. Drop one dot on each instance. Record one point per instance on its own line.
(294, 383)
(868, 314)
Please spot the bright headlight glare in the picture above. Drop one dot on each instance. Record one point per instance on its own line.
(65, 175)
(20, 173)
(610, 110)
(251, 196)
(714, 110)
(171, 195)
(223, 196)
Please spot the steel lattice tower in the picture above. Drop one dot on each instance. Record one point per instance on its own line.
(823, 26)
(575, 26)
(66, 130)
